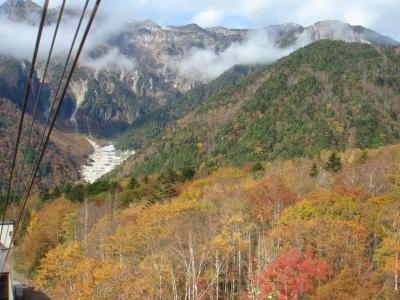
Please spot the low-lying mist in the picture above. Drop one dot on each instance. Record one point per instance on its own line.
(259, 47)
(18, 40)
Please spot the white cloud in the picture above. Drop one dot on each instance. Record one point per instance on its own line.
(18, 39)
(360, 15)
(209, 17)
(380, 15)
(206, 64)
(112, 60)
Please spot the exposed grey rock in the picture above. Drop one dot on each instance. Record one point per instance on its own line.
(21, 10)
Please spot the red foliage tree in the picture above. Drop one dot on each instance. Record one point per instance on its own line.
(293, 274)
(269, 198)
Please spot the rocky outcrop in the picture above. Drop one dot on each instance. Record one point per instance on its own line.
(21, 10)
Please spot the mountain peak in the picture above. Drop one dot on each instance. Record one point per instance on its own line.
(147, 24)
(20, 10)
(330, 23)
(28, 11)
(337, 30)
(18, 2)
(188, 28)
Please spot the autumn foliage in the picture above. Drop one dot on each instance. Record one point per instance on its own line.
(292, 274)
(227, 234)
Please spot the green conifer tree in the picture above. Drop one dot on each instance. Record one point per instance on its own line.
(133, 183)
(314, 171)
(334, 163)
(257, 167)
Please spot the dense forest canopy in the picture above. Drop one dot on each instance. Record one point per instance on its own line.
(270, 182)
(321, 228)
(328, 95)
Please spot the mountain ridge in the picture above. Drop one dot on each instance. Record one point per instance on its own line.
(138, 69)
(19, 10)
(29, 11)
(329, 95)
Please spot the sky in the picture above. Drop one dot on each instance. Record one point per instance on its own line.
(379, 15)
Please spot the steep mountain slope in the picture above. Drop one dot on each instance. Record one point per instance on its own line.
(65, 154)
(328, 95)
(135, 69)
(29, 11)
(13, 79)
(331, 30)
(155, 80)
(142, 132)
(21, 10)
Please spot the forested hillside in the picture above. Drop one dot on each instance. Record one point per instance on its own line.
(328, 95)
(149, 126)
(321, 228)
(66, 151)
(266, 162)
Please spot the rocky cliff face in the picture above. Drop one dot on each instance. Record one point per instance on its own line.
(130, 73)
(28, 11)
(21, 10)
(335, 30)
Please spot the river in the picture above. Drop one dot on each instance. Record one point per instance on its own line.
(102, 161)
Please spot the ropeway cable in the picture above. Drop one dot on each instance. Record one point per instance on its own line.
(24, 108)
(16, 190)
(39, 158)
(33, 175)
(37, 151)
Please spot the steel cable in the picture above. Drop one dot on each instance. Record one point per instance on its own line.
(33, 175)
(39, 96)
(24, 108)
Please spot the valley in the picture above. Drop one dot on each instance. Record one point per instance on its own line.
(203, 162)
(102, 161)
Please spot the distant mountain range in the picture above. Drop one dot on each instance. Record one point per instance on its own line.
(106, 101)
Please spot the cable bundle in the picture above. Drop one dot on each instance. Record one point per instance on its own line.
(57, 101)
